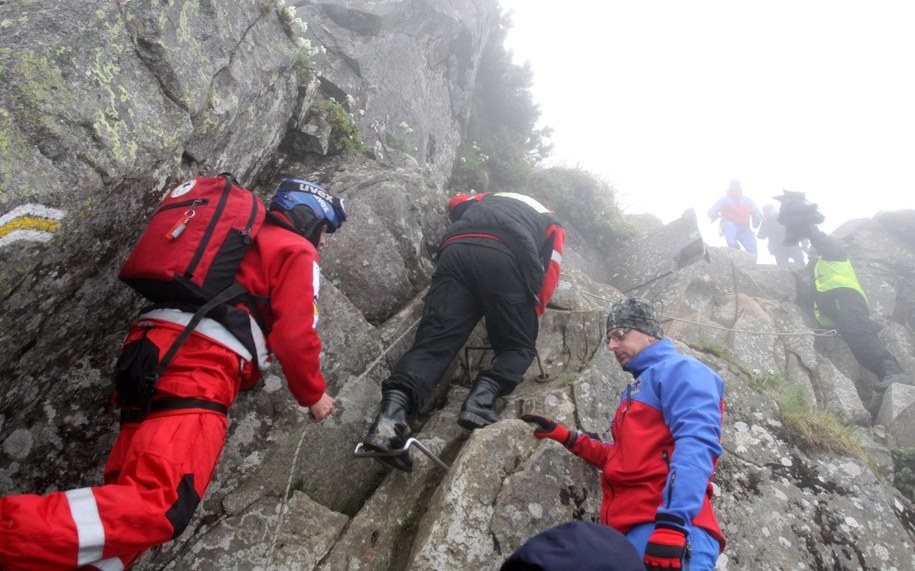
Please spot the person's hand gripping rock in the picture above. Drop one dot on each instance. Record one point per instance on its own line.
(547, 428)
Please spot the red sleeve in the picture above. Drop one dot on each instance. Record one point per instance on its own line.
(555, 239)
(592, 451)
(458, 203)
(293, 338)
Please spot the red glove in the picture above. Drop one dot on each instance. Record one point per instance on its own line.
(665, 549)
(546, 428)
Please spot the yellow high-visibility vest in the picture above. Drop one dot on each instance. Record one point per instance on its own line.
(828, 275)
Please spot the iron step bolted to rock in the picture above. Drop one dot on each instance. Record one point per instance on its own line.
(361, 452)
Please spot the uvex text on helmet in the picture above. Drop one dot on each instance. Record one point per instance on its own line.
(308, 207)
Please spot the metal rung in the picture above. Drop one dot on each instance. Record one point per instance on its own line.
(359, 452)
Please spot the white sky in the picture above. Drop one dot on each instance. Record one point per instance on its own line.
(669, 100)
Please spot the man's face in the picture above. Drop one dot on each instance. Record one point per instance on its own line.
(627, 343)
(323, 239)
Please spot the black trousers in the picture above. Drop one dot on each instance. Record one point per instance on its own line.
(470, 282)
(848, 309)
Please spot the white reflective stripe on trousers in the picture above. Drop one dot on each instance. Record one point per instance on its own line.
(89, 531)
(556, 257)
(112, 564)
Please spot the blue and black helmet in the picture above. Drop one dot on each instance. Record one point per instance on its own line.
(308, 207)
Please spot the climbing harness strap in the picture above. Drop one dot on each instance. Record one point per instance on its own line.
(133, 415)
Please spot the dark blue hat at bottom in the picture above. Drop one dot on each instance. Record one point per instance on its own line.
(578, 545)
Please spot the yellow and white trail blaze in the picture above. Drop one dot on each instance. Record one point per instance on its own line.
(29, 222)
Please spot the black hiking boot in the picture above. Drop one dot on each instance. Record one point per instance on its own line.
(479, 409)
(388, 432)
(880, 388)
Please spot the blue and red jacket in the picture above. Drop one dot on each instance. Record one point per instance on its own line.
(736, 208)
(666, 444)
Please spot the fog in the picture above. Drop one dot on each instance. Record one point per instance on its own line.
(669, 101)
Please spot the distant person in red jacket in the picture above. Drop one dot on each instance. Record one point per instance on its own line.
(164, 457)
(737, 213)
(500, 259)
(656, 473)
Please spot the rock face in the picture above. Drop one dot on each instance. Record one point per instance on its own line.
(107, 104)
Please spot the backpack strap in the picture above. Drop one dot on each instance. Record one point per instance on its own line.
(228, 294)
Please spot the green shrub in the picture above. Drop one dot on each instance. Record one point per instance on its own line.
(503, 122)
(345, 136)
(471, 173)
(581, 200)
(397, 143)
(714, 347)
(904, 471)
(817, 428)
(814, 428)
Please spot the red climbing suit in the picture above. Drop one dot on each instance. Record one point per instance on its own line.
(159, 468)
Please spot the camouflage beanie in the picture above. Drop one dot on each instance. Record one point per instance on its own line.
(635, 313)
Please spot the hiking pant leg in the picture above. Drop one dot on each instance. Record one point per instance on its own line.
(157, 473)
(747, 238)
(511, 321)
(451, 311)
(729, 230)
(795, 253)
(856, 328)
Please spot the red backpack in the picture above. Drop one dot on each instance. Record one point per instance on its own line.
(187, 258)
(194, 242)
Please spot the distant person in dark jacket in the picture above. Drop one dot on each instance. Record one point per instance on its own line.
(737, 213)
(500, 259)
(839, 300)
(774, 232)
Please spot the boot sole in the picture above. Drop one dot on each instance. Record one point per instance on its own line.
(473, 421)
(401, 461)
(377, 444)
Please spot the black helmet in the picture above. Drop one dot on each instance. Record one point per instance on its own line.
(308, 207)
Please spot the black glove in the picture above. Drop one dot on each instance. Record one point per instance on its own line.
(665, 549)
(546, 428)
